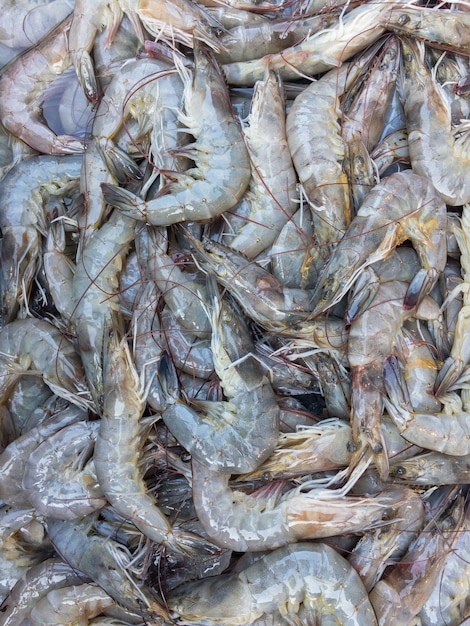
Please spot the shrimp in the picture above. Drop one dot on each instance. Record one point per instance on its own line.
(393, 148)
(432, 468)
(97, 559)
(263, 298)
(70, 605)
(37, 344)
(59, 478)
(300, 584)
(403, 206)
(59, 270)
(400, 596)
(272, 190)
(222, 168)
(95, 287)
(437, 151)
(242, 522)
(23, 84)
(373, 552)
(117, 448)
(36, 583)
(13, 459)
(234, 436)
(321, 52)
(24, 192)
(438, 27)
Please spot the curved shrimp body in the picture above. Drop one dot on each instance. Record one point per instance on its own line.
(23, 84)
(13, 459)
(401, 595)
(117, 448)
(22, 221)
(321, 52)
(238, 435)
(403, 206)
(36, 344)
(59, 479)
(440, 27)
(70, 605)
(222, 168)
(35, 584)
(310, 580)
(95, 287)
(263, 297)
(96, 558)
(436, 150)
(246, 523)
(272, 190)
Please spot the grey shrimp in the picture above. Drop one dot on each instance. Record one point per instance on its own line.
(403, 206)
(437, 151)
(300, 584)
(272, 190)
(234, 436)
(252, 523)
(117, 448)
(222, 167)
(59, 478)
(40, 346)
(23, 84)
(432, 468)
(24, 191)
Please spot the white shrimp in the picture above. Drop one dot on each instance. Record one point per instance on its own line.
(222, 168)
(300, 584)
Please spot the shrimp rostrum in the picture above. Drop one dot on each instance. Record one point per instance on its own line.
(222, 168)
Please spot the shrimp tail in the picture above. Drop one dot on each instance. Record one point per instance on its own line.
(86, 76)
(120, 164)
(127, 202)
(189, 544)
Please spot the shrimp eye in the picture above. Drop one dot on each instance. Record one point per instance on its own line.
(403, 19)
(399, 471)
(378, 448)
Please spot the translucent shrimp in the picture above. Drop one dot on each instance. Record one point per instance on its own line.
(70, 605)
(243, 522)
(432, 468)
(95, 288)
(301, 584)
(321, 52)
(272, 190)
(437, 27)
(23, 84)
(59, 478)
(24, 192)
(234, 436)
(437, 151)
(117, 449)
(38, 345)
(222, 168)
(403, 206)
(400, 596)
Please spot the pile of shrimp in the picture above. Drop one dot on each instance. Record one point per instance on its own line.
(234, 312)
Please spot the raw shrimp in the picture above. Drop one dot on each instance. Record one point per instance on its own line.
(59, 477)
(24, 191)
(23, 84)
(437, 151)
(391, 149)
(323, 51)
(400, 596)
(38, 345)
(95, 288)
(374, 551)
(117, 448)
(272, 190)
(98, 559)
(15, 455)
(70, 605)
(252, 523)
(59, 270)
(35, 584)
(222, 168)
(234, 436)
(438, 27)
(263, 298)
(403, 206)
(300, 584)
(432, 468)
